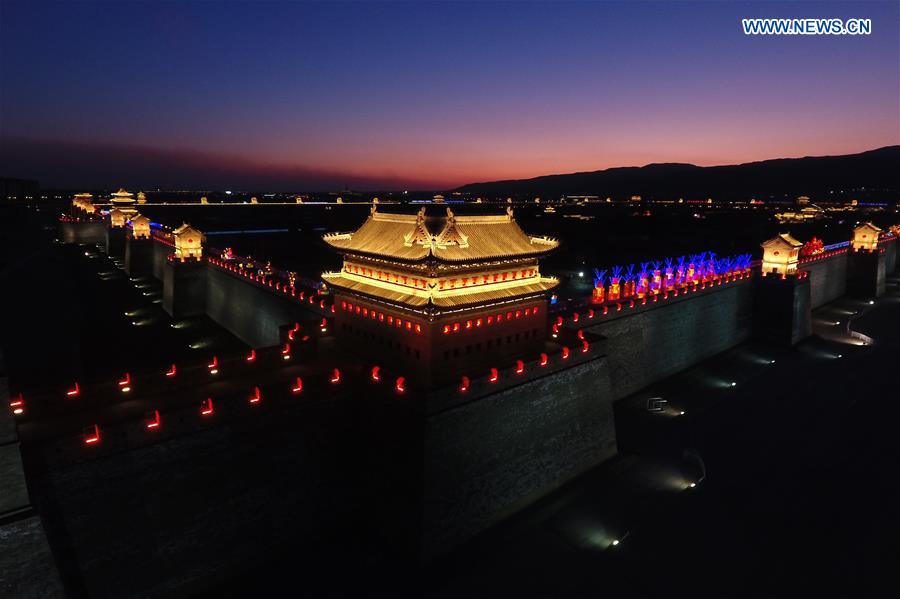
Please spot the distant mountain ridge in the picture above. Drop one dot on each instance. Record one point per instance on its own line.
(875, 170)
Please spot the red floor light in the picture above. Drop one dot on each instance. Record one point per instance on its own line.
(464, 386)
(494, 375)
(520, 366)
(153, 420)
(565, 353)
(401, 384)
(172, 371)
(206, 407)
(298, 386)
(91, 434)
(336, 376)
(255, 397)
(584, 347)
(544, 359)
(375, 373)
(74, 391)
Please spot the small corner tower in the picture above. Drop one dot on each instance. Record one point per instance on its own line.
(781, 255)
(188, 243)
(117, 218)
(865, 237)
(140, 227)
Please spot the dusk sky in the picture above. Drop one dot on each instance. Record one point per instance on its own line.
(308, 96)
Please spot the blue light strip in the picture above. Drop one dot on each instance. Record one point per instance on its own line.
(836, 246)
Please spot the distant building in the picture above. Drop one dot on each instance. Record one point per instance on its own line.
(18, 189)
(805, 214)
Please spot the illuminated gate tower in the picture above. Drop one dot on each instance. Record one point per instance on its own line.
(440, 297)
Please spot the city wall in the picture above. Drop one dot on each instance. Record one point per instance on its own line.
(472, 458)
(486, 458)
(827, 279)
(254, 314)
(668, 337)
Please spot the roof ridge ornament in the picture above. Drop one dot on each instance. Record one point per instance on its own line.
(419, 234)
(450, 234)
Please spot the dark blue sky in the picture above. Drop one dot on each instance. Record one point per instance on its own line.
(295, 94)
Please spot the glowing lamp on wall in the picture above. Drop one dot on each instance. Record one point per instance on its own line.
(335, 376)
(464, 385)
(125, 383)
(401, 384)
(544, 359)
(286, 351)
(255, 397)
(375, 373)
(495, 376)
(251, 357)
(298, 386)
(585, 347)
(17, 405)
(74, 391)
(172, 371)
(91, 434)
(152, 420)
(206, 407)
(214, 365)
(520, 366)
(565, 353)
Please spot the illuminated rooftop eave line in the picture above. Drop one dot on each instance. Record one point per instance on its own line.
(432, 258)
(335, 280)
(438, 293)
(430, 311)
